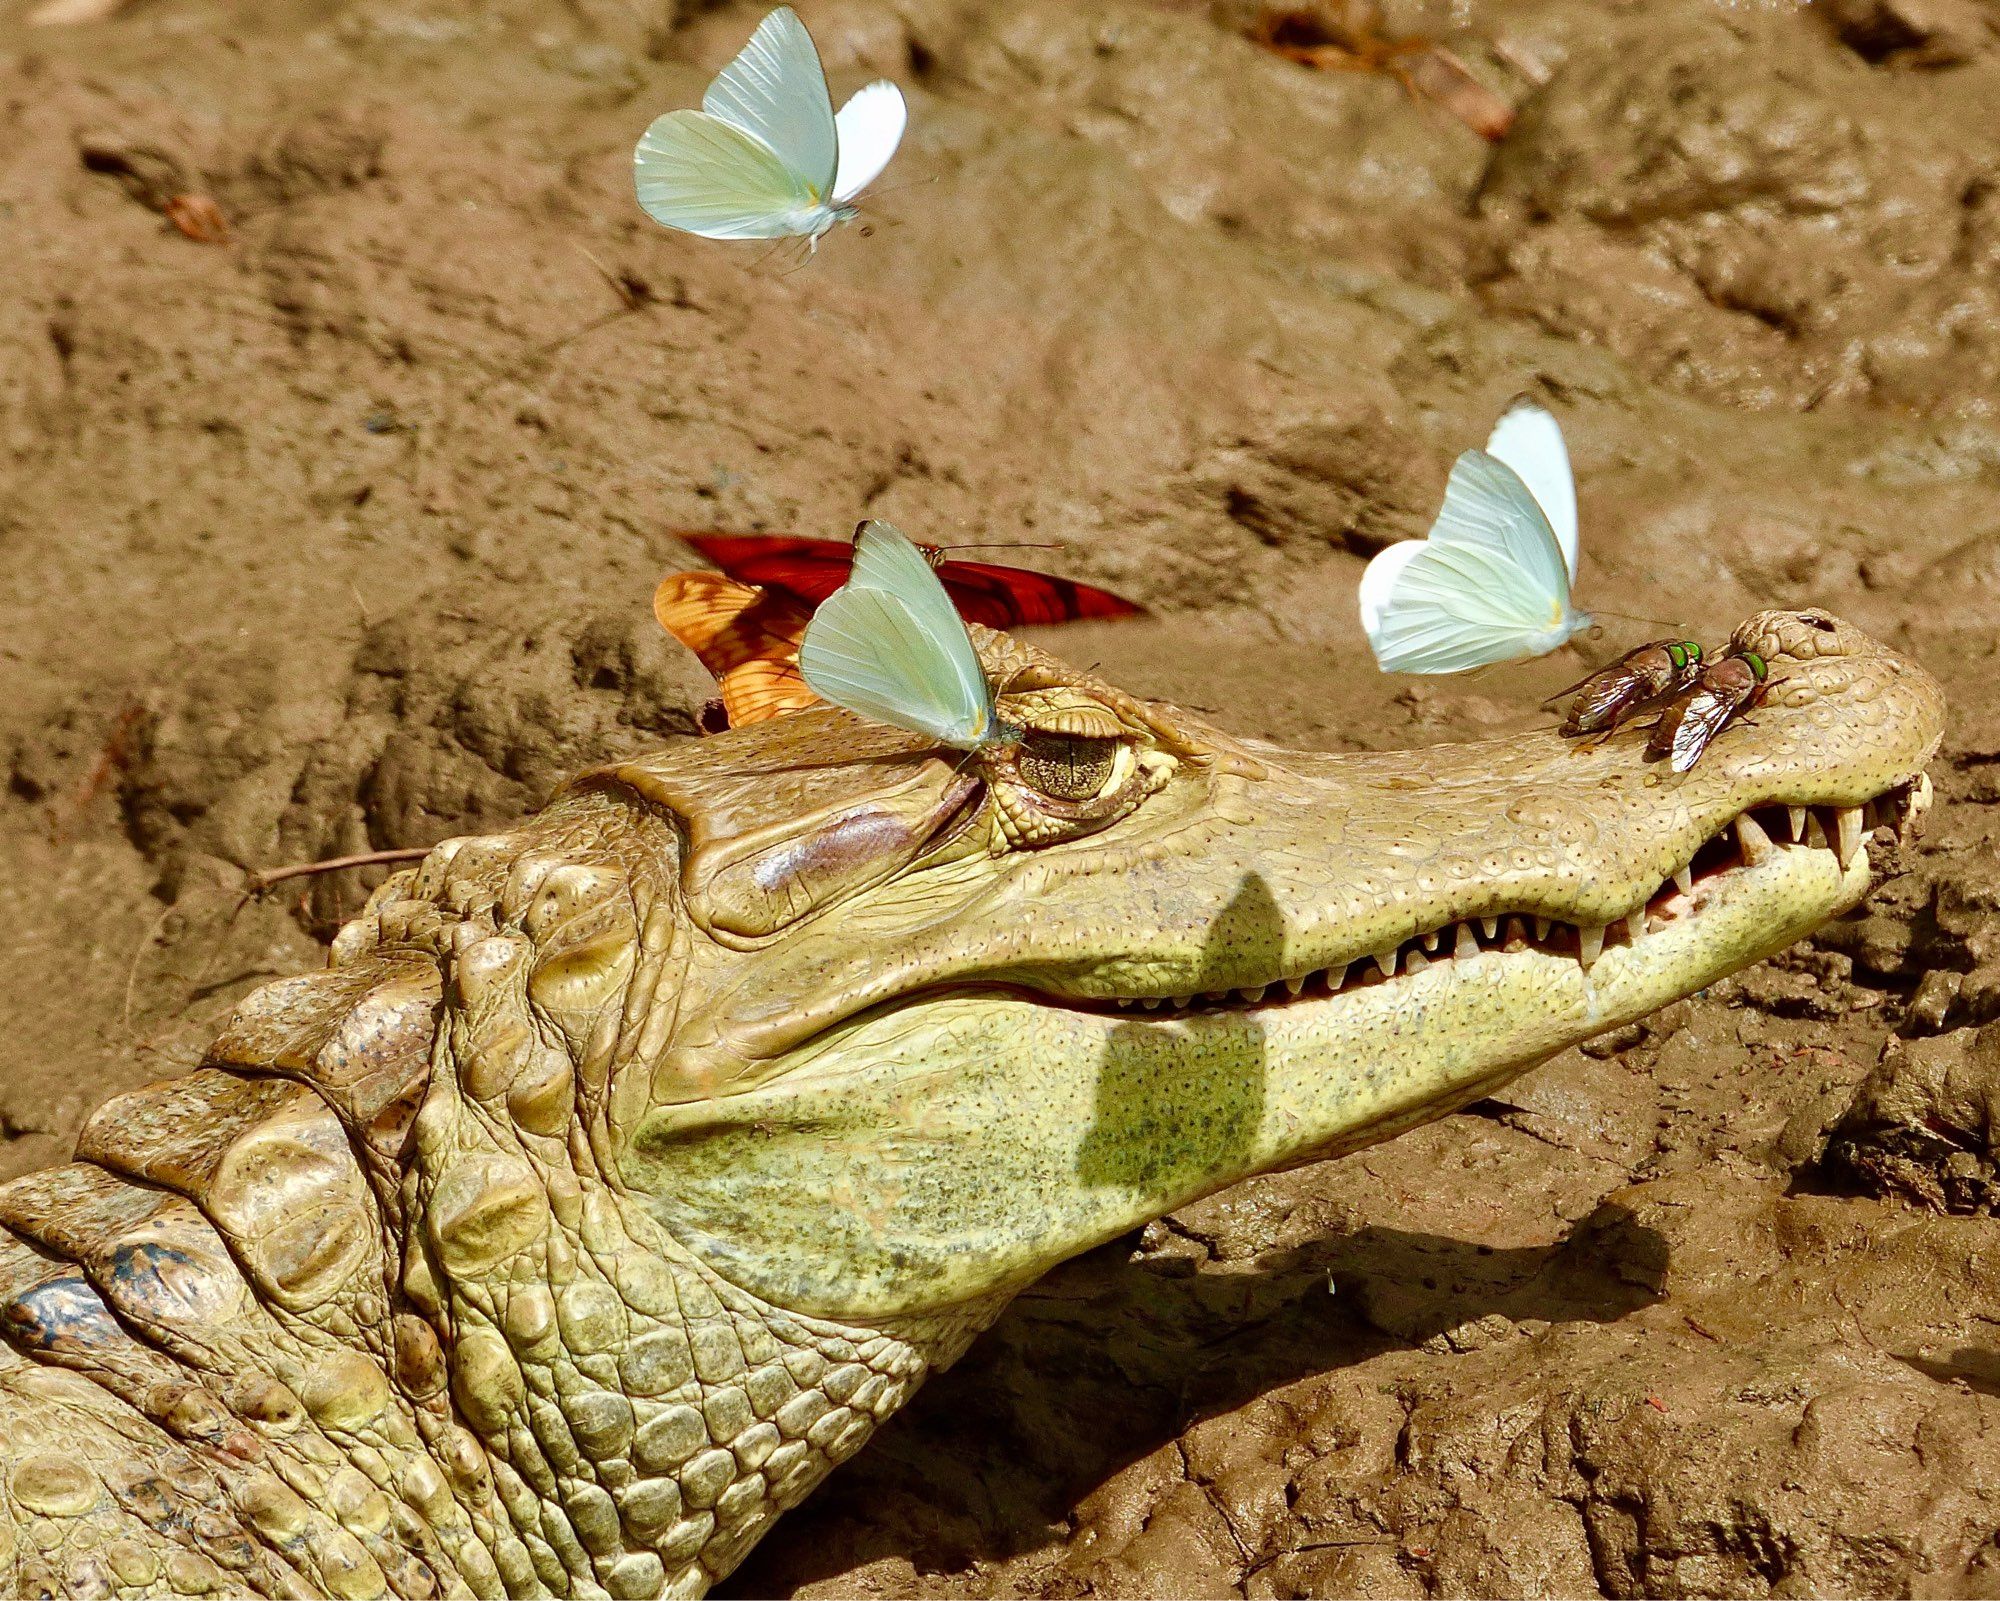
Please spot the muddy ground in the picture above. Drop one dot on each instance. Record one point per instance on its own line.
(341, 534)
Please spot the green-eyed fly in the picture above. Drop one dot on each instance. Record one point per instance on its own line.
(1637, 680)
(1723, 692)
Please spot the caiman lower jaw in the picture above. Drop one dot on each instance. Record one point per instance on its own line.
(1748, 841)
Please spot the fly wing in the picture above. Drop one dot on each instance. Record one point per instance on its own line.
(1707, 715)
(870, 127)
(775, 91)
(891, 646)
(1530, 441)
(698, 173)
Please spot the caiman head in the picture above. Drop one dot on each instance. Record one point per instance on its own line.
(753, 1077)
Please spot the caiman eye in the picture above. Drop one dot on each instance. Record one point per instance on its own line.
(1069, 767)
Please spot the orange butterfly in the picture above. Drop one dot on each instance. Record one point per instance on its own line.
(747, 633)
(748, 637)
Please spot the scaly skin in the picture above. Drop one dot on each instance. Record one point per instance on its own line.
(624, 1171)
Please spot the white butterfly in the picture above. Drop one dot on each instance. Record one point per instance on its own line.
(765, 157)
(890, 645)
(1492, 582)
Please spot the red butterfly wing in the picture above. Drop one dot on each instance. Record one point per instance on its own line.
(810, 569)
(999, 597)
(1007, 597)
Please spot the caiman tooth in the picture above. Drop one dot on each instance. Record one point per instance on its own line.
(1183, 1002)
(1590, 942)
(1517, 934)
(1433, 939)
(1684, 880)
(1296, 986)
(1635, 926)
(1491, 925)
(1542, 927)
(1386, 962)
(1816, 832)
(1253, 994)
(1466, 944)
(1871, 817)
(1796, 816)
(1847, 834)
(1755, 843)
(1415, 962)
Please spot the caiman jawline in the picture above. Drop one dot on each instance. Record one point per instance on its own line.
(1745, 841)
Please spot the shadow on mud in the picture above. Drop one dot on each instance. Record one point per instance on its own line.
(1110, 1357)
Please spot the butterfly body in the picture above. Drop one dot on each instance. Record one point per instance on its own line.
(1638, 680)
(766, 157)
(1491, 582)
(1724, 691)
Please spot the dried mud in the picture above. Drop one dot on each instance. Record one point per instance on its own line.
(340, 535)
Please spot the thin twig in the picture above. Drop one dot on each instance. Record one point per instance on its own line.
(259, 882)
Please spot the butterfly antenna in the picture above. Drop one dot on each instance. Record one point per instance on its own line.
(1634, 617)
(1004, 544)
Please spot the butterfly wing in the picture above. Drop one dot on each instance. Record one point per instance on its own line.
(775, 91)
(748, 638)
(810, 569)
(1488, 585)
(697, 173)
(891, 646)
(1530, 441)
(1011, 597)
(870, 126)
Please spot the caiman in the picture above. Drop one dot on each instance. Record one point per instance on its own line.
(622, 1172)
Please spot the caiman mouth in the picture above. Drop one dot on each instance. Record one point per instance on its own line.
(1747, 841)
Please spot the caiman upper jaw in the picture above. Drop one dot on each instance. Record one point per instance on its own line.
(1748, 841)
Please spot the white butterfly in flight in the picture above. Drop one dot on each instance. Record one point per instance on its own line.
(1492, 582)
(765, 157)
(890, 645)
